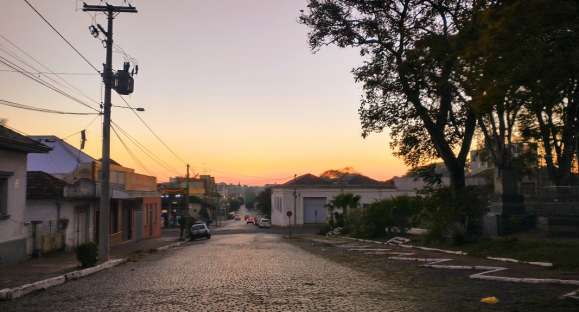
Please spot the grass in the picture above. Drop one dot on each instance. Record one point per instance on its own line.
(564, 254)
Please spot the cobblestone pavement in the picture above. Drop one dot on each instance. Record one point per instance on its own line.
(261, 271)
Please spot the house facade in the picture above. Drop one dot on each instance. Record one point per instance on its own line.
(60, 222)
(307, 196)
(13, 229)
(135, 209)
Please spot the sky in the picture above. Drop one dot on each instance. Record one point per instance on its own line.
(230, 86)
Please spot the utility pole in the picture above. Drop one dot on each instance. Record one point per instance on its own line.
(105, 196)
(295, 201)
(187, 192)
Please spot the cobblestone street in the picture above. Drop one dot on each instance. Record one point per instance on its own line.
(256, 270)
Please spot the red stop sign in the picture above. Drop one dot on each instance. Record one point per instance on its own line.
(289, 213)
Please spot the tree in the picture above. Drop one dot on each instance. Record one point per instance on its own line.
(344, 201)
(263, 202)
(235, 203)
(409, 74)
(522, 66)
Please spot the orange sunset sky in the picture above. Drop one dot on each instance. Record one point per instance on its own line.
(231, 86)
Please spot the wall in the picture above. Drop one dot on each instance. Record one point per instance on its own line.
(286, 198)
(80, 216)
(151, 217)
(12, 230)
(140, 182)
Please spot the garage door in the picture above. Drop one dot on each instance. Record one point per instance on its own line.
(314, 209)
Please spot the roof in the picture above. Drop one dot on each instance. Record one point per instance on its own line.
(41, 185)
(14, 141)
(346, 180)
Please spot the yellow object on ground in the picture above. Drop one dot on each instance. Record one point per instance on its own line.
(490, 300)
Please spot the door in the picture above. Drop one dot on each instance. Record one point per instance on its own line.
(127, 222)
(82, 224)
(139, 223)
(315, 209)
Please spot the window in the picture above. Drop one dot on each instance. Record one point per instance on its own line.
(278, 203)
(4, 177)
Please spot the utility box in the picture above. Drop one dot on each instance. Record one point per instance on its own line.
(491, 223)
(124, 83)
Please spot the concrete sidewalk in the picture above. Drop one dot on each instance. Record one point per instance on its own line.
(60, 263)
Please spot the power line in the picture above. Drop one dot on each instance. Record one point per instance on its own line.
(42, 82)
(61, 36)
(152, 131)
(85, 127)
(42, 110)
(133, 156)
(50, 71)
(145, 150)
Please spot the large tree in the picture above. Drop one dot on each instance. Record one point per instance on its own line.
(523, 59)
(263, 202)
(409, 73)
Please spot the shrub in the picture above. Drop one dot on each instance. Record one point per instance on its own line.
(325, 229)
(87, 254)
(382, 217)
(452, 216)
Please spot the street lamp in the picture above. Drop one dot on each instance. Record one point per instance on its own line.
(138, 109)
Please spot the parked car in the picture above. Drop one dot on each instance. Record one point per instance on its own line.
(250, 220)
(257, 219)
(237, 218)
(199, 230)
(264, 223)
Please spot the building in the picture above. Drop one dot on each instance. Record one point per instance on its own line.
(135, 202)
(13, 229)
(307, 196)
(203, 198)
(60, 222)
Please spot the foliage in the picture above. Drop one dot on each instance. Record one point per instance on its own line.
(249, 198)
(383, 217)
(325, 229)
(520, 67)
(453, 215)
(427, 174)
(235, 203)
(263, 202)
(409, 74)
(87, 254)
(344, 202)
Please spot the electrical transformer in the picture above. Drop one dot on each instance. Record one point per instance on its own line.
(124, 83)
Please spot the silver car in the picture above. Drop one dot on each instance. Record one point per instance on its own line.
(264, 223)
(200, 230)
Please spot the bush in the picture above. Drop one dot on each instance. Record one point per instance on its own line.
(87, 254)
(452, 216)
(325, 229)
(383, 217)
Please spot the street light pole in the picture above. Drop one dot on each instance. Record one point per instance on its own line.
(105, 196)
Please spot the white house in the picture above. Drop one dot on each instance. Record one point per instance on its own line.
(13, 230)
(62, 222)
(306, 196)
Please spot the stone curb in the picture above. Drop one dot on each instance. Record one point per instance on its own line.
(20, 291)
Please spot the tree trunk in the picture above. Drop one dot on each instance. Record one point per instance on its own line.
(457, 179)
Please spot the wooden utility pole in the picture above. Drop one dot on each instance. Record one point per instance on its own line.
(187, 192)
(295, 201)
(105, 196)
